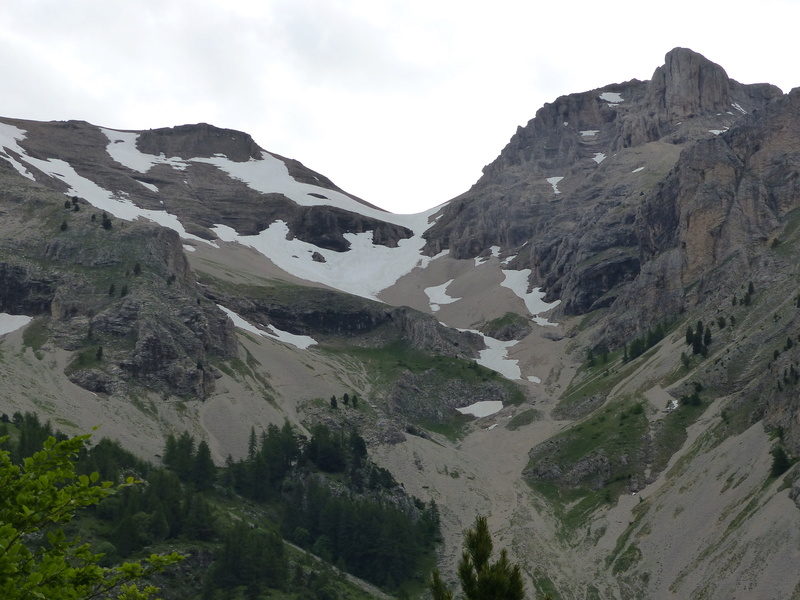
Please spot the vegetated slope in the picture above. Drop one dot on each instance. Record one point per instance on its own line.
(645, 208)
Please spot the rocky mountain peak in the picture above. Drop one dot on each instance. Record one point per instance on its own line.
(687, 85)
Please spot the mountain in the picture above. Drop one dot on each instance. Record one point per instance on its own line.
(613, 306)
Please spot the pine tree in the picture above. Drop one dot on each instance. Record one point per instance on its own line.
(481, 579)
(203, 470)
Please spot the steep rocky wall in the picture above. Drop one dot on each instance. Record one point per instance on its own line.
(720, 208)
(581, 240)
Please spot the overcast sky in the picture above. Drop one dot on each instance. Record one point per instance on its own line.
(400, 102)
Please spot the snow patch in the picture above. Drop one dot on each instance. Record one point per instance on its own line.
(189, 248)
(611, 97)
(495, 253)
(534, 379)
(122, 148)
(717, 131)
(589, 132)
(495, 357)
(637, 170)
(364, 270)
(299, 341)
(554, 182)
(437, 295)
(517, 282)
(599, 157)
(739, 108)
(484, 408)
(10, 323)
(150, 187)
(9, 138)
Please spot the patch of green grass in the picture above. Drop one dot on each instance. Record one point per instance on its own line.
(671, 433)
(36, 334)
(84, 359)
(453, 428)
(544, 588)
(627, 559)
(598, 380)
(526, 417)
(510, 318)
(390, 361)
(615, 435)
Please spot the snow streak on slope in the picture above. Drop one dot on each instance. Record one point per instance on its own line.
(517, 282)
(299, 341)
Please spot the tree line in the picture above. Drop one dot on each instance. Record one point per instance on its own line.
(322, 492)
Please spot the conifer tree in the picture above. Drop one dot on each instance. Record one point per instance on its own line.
(480, 578)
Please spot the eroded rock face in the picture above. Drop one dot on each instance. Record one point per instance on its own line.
(23, 291)
(716, 213)
(564, 194)
(201, 140)
(320, 313)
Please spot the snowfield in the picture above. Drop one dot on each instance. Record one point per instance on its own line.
(10, 323)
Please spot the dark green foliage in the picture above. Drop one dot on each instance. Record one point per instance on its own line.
(137, 269)
(253, 558)
(689, 335)
(376, 540)
(780, 461)
(203, 470)
(326, 450)
(99, 353)
(334, 404)
(481, 579)
(642, 344)
(124, 291)
(64, 225)
(67, 204)
(356, 523)
(111, 290)
(106, 222)
(698, 345)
